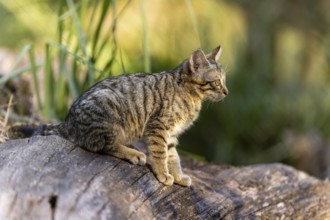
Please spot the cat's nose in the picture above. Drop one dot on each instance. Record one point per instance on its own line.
(225, 91)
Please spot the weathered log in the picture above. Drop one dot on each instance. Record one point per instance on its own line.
(49, 178)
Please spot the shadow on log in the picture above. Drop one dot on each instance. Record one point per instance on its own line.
(48, 178)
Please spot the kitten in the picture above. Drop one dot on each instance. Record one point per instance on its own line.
(155, 107)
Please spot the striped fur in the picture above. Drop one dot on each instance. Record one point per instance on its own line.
(156, 107)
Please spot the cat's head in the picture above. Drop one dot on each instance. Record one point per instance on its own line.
(207, 74)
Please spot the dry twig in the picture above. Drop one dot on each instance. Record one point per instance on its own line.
(4, 122)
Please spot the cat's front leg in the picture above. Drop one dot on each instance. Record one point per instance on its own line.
(174, 164)
(158, 155)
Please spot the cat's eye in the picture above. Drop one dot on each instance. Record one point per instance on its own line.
(217, 82)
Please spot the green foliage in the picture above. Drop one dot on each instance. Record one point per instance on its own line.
(76, 60)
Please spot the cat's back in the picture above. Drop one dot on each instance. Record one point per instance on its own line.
(138, 94)
(133, 83)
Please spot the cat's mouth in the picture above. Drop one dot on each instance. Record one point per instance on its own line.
(217, 98)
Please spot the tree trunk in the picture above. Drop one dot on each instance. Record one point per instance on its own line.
(49, 178)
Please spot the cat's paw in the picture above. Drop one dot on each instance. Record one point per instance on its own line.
(184, 180)
(140, 159)
(166, 179)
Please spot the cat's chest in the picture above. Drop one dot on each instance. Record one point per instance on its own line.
(180, 127)
(185, 120)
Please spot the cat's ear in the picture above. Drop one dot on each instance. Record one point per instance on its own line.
(215, 53)
(197, 61)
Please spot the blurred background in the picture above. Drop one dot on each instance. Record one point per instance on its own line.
(276, 53)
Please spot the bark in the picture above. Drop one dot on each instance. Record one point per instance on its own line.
(49, 178)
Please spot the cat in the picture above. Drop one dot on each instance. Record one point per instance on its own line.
(155, 107)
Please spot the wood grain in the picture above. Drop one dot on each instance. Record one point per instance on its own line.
(49, 178)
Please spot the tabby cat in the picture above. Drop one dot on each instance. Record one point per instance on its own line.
(156, 107)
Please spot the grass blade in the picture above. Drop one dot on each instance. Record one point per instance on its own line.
(18, 72)
(61, 86)
(49, 85)
(100, 24)
(33, 70)
(82, 41)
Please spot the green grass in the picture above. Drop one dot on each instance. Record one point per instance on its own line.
(76, 60)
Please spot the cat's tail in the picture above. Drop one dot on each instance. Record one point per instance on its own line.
(43, 130)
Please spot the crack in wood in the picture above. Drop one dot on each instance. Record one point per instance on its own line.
(87, 185)
(53, 204)
(123, 177)
(166, 201)
(134, 212)
(116, 165)
(72, 149)
(48, 159)
(135, 181)
(87, 160)
(100, 210)
(44, 165)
